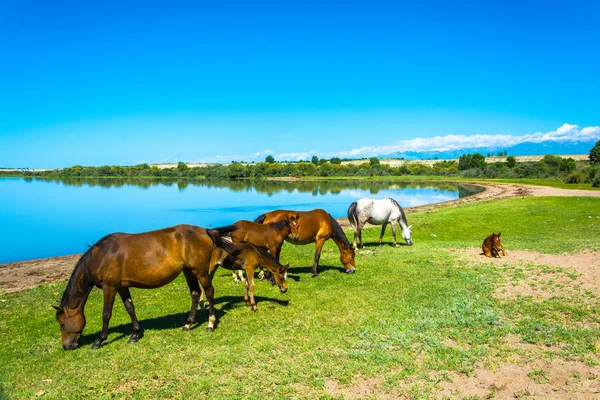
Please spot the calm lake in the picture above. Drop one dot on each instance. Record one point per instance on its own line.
(44, 218)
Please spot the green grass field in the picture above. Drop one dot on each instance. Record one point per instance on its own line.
(408, 318)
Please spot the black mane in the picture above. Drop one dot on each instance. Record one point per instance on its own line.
(81, 263)
(338, 232)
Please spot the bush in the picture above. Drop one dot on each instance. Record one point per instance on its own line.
(596, 181)
(575, 177)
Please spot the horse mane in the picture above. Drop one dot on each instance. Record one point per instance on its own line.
(81, 263)
(279, 225)
(266, 256)
(260, 219)
(394, 202)
(352, 214)
(338, 233)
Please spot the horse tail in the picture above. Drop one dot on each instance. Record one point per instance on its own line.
(352, 217)
(225, 230)
(338, 234)
(261, 218)
(220, 239)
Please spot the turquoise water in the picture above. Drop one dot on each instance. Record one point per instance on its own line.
(44, 218)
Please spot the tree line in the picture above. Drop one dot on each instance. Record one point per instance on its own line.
(468, 166)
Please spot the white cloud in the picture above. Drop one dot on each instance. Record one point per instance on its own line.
(566, 132)
(454, 142)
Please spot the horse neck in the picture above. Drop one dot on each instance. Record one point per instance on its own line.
(340, 238)
(402, 220)
(78, 288)
(269, 263)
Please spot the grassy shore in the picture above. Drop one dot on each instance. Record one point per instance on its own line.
(410, 319)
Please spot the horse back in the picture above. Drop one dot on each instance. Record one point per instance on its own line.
(151, 259)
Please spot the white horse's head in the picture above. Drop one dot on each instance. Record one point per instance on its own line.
(407, 235)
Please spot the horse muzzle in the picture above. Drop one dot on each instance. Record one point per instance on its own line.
(283, 290)
(70, 346)
(351, 270)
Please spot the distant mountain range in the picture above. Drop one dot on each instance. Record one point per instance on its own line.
(521, 149)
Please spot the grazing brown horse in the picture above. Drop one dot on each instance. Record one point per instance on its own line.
(248, 257)
(492, 246)
(314, 226)
(144, 260)
(268, 236)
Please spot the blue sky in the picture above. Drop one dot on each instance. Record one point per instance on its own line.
(96, 83)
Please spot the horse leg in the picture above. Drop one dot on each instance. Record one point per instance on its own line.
(109, 301)
(195, 292)
(356, 234)
(382, 232)
(209, 291)
(250, 288)
(394, 233)
(318, 247)
(128, 302)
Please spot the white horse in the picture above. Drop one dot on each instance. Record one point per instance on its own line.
(378, 212)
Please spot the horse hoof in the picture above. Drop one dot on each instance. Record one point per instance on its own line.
(133, 339)
(97, 344)
(209, 329)
(255, 309)
(315, 275)
(185, 328)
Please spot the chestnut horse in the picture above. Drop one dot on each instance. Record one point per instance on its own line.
(314, 226)
(248, 257)
(145, 260)
(492, 246)
(269, 237)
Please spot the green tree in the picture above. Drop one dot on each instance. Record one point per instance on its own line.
(374, 161)
(236, 170)
(315, 160)
(269, 159)
(511, 162)
(335, 160)
(181, 166)
(595, 153)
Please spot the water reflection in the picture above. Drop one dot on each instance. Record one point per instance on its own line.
(268, 187)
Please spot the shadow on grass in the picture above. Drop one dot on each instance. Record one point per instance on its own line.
(308, 270)
(176, 321)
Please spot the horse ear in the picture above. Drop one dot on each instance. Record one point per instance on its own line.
(283, 269)
(297, 216)
(58, 309)
(499, 233)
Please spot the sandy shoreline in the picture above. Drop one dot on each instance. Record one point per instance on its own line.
(16, 276)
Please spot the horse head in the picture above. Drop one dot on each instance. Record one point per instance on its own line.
(496, 243)
(280, 276)
(72, 322)
(407, 235)
(347, 258)
(294, 221)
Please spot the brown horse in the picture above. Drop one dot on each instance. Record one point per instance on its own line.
(492, 246)
(144, 260)
(268, 236)
(314, 226)
(248, 257)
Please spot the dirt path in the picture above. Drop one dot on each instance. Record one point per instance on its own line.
(22, 275)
